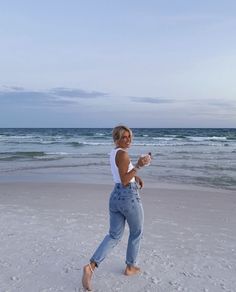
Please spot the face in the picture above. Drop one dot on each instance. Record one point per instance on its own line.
(125, 140)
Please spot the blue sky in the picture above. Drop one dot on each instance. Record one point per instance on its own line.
(72, 63)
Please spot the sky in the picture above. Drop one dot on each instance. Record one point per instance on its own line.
(152, 63)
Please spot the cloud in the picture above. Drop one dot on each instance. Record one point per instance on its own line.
(77, 93)
(155, 100)
(24, 97)
(207, 102)
(14, 88)
(222, 103)
(56, 96)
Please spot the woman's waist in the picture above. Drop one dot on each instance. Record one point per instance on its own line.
(117, 179)
(132, 186)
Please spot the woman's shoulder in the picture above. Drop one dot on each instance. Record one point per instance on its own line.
(116, 150)
(121, 153)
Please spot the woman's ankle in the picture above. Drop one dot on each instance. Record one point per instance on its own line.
(93, 265)
(131, 270)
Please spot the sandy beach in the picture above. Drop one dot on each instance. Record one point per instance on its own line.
(49, 231)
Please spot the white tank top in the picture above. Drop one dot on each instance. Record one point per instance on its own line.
(114, 168)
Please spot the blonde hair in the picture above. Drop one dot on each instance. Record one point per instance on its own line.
(118, 131)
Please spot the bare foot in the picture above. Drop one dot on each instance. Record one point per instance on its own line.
(131, 270)
(87, 276)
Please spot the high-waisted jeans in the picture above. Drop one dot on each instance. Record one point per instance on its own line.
(124, 205)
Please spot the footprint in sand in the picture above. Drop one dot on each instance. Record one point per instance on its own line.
(14, 278)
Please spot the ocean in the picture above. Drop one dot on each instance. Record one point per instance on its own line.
(203, 157)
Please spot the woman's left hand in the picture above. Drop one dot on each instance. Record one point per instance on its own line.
(139, 181)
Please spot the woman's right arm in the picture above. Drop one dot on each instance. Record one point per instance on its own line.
(122, 162)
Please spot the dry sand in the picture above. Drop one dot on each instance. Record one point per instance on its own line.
(48, 231)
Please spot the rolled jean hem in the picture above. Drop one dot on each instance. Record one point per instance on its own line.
(93, 261)
(130, 264)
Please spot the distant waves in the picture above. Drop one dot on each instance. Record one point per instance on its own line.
(193, 156)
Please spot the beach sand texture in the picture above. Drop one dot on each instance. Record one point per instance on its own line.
(49, 231)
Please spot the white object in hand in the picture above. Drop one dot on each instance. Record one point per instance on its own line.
(147, 159)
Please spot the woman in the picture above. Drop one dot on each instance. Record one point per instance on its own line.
(124, 205)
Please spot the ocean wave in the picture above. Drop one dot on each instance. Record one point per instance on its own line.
(165, 138)
(75, 144)
(97, 143)
(100, 134)
(42, 155)
(33, 142)
(155, 142)
(223, 181)
(31, 155)
(21, 155)
(213, 138)
(180, 136)
(52, 166)
(177, 144)
(205, 168)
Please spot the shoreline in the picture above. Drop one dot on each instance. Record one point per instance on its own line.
(107, 181)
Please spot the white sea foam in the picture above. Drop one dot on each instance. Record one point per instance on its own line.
(196, 156)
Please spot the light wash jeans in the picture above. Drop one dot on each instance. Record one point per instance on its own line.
(124, 205)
